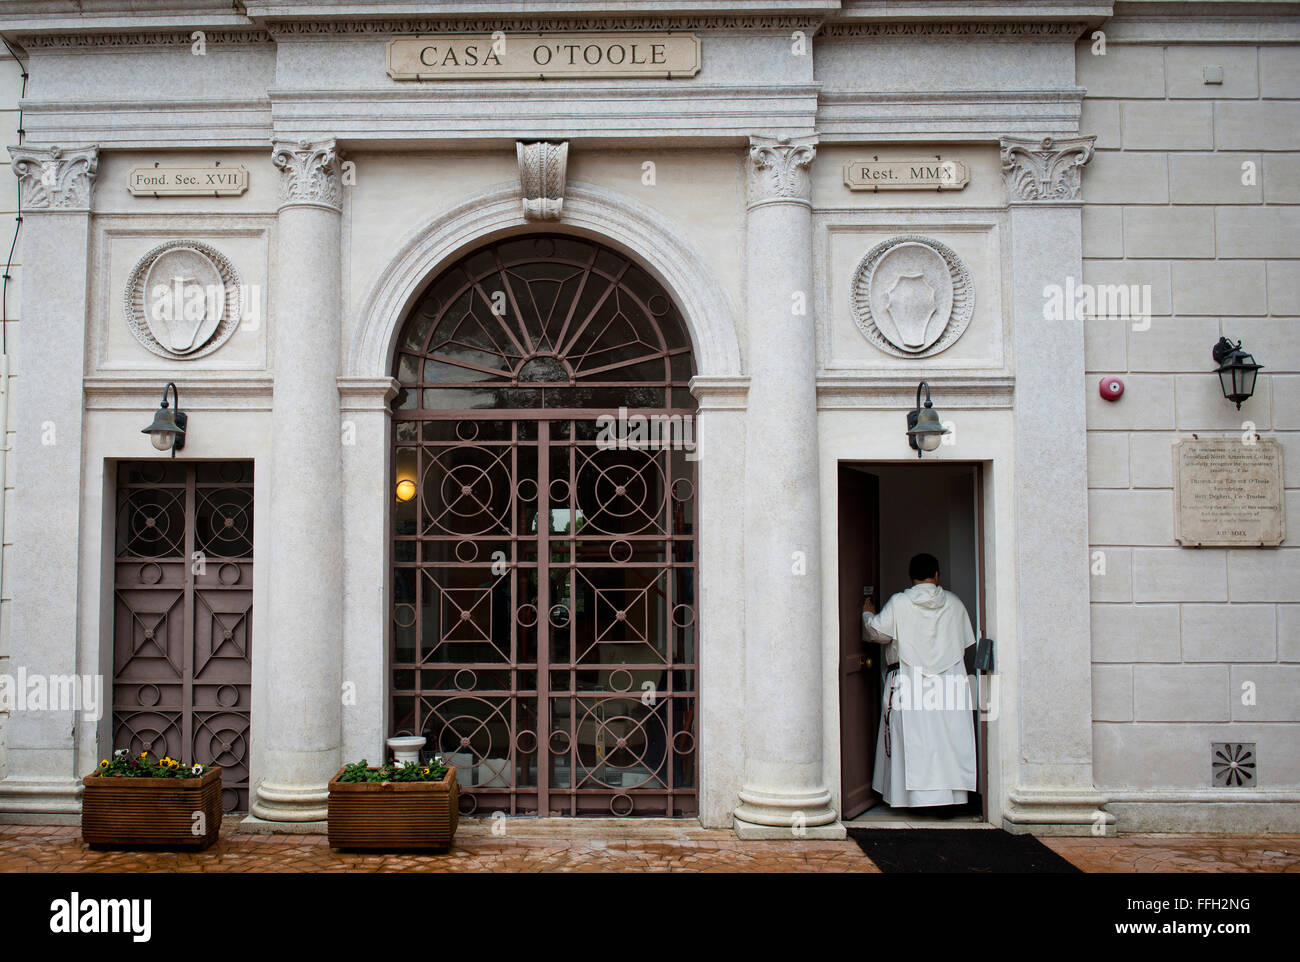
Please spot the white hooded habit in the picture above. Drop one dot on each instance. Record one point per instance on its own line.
(925, 751)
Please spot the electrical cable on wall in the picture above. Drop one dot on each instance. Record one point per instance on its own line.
(18, 219)
(4, 320)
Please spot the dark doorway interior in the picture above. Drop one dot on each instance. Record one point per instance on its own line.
(887, 513)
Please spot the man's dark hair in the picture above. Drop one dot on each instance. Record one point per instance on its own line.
(923, 566)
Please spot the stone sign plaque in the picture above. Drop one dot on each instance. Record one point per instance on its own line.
(531, 56)
(210, 180)
(937, 173)
(1227, 492)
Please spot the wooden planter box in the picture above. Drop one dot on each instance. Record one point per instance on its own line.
(130, 812)
(394, 815)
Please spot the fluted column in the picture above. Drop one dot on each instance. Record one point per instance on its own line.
(304, 618)
(55, 187)
(783, 794)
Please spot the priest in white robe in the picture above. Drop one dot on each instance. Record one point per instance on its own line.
(925, 749)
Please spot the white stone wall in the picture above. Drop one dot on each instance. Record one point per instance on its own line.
(1195, 191)
(10, 90)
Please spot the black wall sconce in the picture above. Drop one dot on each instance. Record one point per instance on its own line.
(1236, 372)
(924, 432)
(168, 428)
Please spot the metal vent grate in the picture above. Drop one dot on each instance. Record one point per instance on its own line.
(1232, 764)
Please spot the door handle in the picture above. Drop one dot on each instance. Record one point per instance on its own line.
(868, 661)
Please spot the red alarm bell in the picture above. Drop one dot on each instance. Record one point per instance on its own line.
(1111, 388)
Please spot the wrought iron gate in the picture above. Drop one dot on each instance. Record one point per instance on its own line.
(543, 614)
(183, 590)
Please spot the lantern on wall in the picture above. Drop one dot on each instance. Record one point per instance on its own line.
(1236, 372)
(924, 431)
(167, 432)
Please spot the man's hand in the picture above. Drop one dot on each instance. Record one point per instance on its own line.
(867, 606)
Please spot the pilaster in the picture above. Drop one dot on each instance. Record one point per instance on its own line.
(1052, 786)
(55, 186)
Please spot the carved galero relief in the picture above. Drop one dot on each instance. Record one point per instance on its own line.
(912, 296)
(183, 300)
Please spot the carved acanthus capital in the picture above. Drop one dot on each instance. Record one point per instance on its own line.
(542, 168)
(1045, 169)
(309, 172)
(55, 178)
(779, 172)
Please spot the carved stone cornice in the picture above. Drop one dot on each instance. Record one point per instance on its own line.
(1046, 169)
(55, 178)
(161, 38)
(990, 30)
(429, 25)
(542, 169)
(778, 173)
(309, 173)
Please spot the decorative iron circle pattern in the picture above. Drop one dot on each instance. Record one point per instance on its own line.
(958, 317)
(404, 608)
(622, 805)
(137, 299)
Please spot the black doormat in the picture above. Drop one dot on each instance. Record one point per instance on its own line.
(900, 850)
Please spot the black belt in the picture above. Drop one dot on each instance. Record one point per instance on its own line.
(889, 705)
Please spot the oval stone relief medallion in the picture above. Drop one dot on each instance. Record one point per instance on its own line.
(912, 296)
(183, 300)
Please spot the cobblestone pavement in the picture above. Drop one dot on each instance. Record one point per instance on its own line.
(41, 848)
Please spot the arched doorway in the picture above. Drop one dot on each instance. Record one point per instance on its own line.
(543, 542)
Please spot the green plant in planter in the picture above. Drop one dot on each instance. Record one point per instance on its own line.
(144, 765)
(393, 772)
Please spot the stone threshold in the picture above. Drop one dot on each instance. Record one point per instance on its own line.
(517, 827)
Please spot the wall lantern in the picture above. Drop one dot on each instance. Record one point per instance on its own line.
(405, 489)
(168, 429)
(924, 432)
(1236, 371)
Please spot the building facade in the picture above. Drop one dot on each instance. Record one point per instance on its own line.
(547, 368)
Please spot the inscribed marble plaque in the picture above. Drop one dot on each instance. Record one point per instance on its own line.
(1228, 492)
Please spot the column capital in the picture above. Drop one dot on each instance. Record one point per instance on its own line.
(1045, 169)
(778, 172)
(309, 173)
(55, 178)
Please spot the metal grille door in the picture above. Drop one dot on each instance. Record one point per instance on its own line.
(544, 574)
(183, 595)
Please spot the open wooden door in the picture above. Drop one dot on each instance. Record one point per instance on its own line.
(859, 565)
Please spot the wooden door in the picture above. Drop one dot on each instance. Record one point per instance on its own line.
(859, 568)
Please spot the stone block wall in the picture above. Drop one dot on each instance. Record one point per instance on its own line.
(1193, 194)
